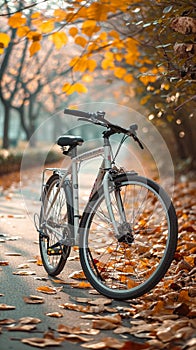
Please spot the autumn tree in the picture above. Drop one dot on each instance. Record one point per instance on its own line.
(138, 44)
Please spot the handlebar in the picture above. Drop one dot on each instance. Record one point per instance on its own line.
(98, 118)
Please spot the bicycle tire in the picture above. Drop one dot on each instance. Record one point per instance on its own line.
(116, 267)
(59, 216)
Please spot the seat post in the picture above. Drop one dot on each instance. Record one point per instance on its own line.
(73, 152)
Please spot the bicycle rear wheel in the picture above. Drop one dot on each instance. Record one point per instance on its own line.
(55, 217)
(128, 264)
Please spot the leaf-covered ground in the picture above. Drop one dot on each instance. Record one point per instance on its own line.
(162, 319)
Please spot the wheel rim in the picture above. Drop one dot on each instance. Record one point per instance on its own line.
(52, 221)
(123, 267)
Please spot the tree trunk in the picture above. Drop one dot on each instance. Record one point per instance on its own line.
(6, 142)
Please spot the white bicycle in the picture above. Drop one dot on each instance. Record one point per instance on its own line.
(127, 234)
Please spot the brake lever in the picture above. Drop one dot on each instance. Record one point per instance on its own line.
(138, 141)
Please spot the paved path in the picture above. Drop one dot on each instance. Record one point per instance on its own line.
(18, 246)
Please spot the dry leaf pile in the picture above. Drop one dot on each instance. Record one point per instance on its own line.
(164, 319)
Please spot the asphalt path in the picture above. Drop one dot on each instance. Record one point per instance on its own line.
(19, 246)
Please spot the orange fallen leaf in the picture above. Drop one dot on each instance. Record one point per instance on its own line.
(77, 275)
(82, 285)
(48, 290)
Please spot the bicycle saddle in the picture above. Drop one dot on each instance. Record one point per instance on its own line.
(69, 140)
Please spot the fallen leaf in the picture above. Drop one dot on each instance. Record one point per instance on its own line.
(104, 343)
(81, 285)
(41, 342)
(102, 324)
(81, 308)
(77, 275)
(23, 266)
(100, 301)
(77, 337)
(33, 299)
(48, 290)
(6, 321)
(76, 330)
(182, 310)
(22, 327)
(27, 320)
(4, 263)
(6, 307)
(54, 314)
(24, 273)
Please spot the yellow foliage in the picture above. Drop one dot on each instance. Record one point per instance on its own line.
(79, 64)
(35, 36)
(105, 64)
(87, 78)
(73, 31)
(36, 15)
(144, 99)
(119, 72)
(119, 57)
(131, 57)
(77, 87)
(90, 27)
(16, 20)
(114, 34)
(128, 78)
(165, 86)
(47, 26)
(60, 14)
(103, 36)
(74, 61)
(59, 39)
(149, 77)
(35, 47)
(80, 88)
(22, 31)
(66, 87)
(98, 11)
(92, 64)
(93, 47)
(81, 13)
(81, 41)
(4, 41)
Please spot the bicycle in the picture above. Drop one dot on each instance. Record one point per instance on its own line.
(127, 234)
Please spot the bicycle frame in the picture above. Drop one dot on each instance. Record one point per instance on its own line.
(103, 177)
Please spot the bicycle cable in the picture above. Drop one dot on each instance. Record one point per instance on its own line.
(119, 147)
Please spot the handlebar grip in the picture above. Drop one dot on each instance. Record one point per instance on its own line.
(77, 113)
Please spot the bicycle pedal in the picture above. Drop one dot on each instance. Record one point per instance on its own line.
(55, 251)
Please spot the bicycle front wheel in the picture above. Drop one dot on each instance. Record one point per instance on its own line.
(129, 263)
(55, 217)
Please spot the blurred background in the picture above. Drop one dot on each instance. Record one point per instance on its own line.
(136, 63)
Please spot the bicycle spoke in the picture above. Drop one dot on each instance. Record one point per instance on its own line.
(129, 260)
